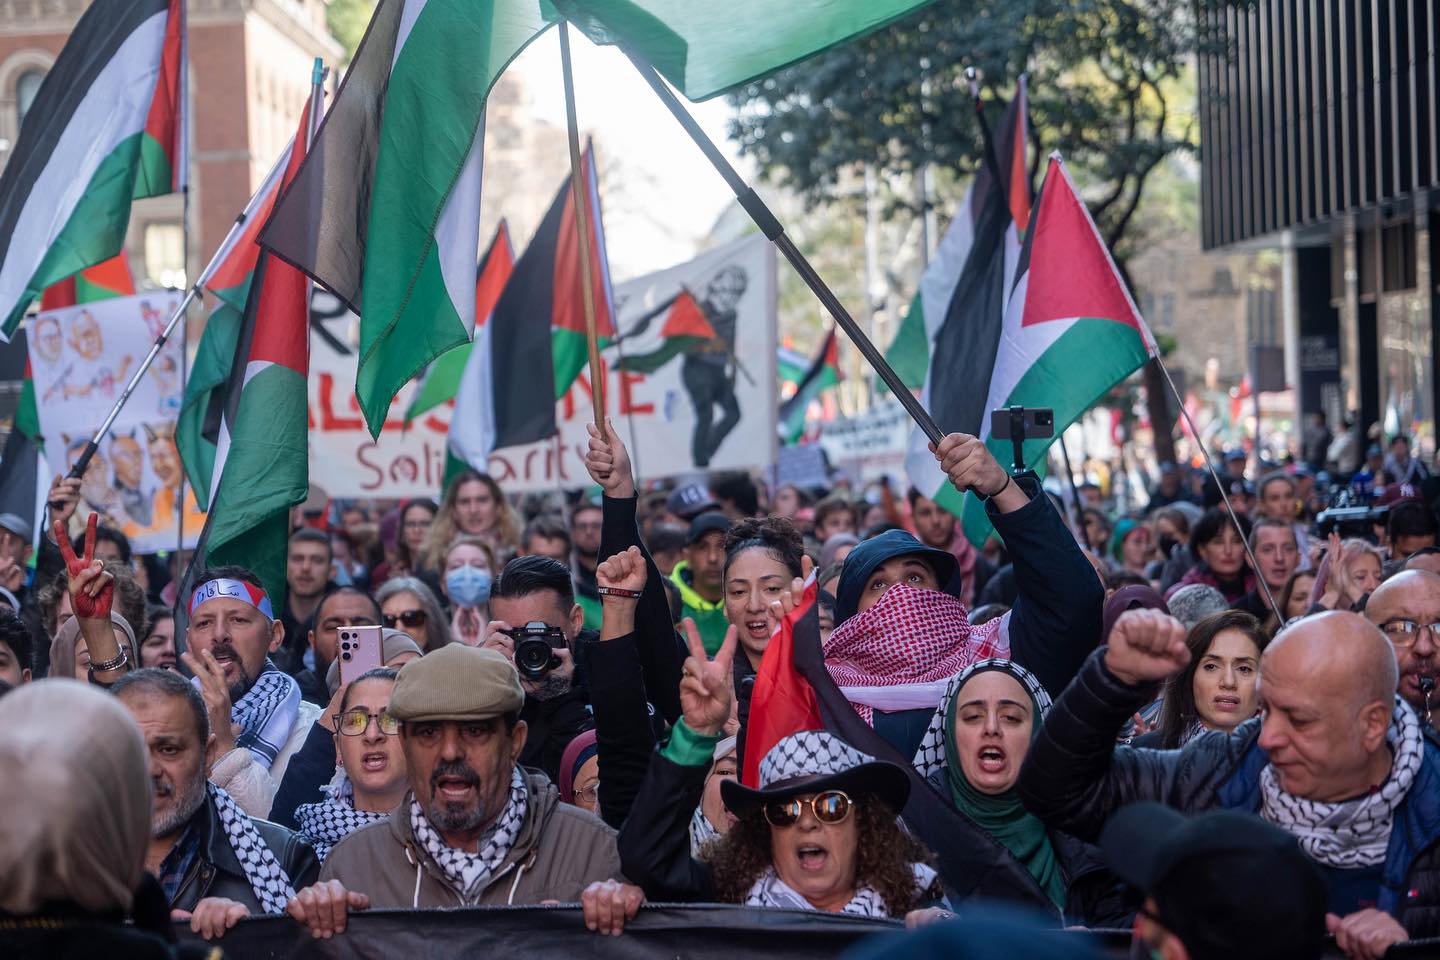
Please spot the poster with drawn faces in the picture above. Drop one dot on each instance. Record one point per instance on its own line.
(81, 358)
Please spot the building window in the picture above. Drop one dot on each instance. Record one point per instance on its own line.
(165, 254)
(26, 87)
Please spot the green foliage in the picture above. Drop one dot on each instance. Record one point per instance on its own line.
(347, 20)
(1108, 81)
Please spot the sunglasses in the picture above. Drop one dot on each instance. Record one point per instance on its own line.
(410, 618)
(831, 806)
(354, 723)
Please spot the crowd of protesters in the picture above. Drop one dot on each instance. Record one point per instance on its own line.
(1213, 728)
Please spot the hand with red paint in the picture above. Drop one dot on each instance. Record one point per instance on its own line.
(92, 590)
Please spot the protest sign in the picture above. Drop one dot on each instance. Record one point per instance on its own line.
(690, 382)
(80, 359)
(869, 446)
(344, 459)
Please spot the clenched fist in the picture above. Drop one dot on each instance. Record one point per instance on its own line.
(1146, 646)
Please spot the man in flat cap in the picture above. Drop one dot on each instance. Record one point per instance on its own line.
(475, 827)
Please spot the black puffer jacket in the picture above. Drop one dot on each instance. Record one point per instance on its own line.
(216, 872)
(1075, 777)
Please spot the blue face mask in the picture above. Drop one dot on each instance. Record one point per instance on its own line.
(468, 586)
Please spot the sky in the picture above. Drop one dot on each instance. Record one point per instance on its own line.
(665, 195)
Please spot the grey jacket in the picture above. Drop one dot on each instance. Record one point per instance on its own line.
(559, 851)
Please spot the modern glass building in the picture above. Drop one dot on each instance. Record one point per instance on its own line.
(1320, 135)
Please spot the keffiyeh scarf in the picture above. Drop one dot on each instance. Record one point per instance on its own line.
(770, 891)
(326, 823)
(267, 878)
(466, 872)
(902, 652)
(1354, 833)
(267, 713)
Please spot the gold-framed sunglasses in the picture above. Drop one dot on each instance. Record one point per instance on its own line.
(828, 806)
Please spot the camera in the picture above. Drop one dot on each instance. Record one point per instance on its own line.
(1351, 515)
(535, 646)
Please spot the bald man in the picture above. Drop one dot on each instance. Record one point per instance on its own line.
(1338, 761)
(1427, 559)
(1406, 608)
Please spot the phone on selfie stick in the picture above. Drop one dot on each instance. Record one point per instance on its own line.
(360, 650)
(1018, 424)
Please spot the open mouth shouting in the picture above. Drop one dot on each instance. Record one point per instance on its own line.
(374, 761)
(992, 759)
(758, 629)
(812, 857)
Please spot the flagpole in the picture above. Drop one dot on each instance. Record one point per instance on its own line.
(184, 81)
(972, 78)
(1075, 493)
(191, 295)
(1219, 484)
(774, 231)
(582, 228)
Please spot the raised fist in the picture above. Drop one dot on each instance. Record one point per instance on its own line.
(1146, 646)
(626, 570)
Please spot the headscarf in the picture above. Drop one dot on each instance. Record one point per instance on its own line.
(865, 559)
(1002, 815)
(77, 800)
(1123, 528)
(579, 750)
(834, 545)
(702, 831)
(1128, 598)
(62, 648)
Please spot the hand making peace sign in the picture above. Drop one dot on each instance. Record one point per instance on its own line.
(92, 590)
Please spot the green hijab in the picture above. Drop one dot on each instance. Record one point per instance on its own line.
(1002, 815)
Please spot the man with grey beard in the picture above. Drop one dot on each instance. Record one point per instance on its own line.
(475, 828)
(215, 864)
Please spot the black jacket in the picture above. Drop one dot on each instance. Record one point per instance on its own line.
(216, 872)
(552, 725)
(625, 724)
(1075, 777)
(309, 769)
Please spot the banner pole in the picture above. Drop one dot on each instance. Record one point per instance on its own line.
(191, 295)
(578, 193)
(1220, 485)
(184, 246)
(774, 231)
(1075, 493)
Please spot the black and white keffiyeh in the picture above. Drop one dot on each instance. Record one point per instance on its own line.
(267, 878)
(326, 823)
(267, 713)
(770, 891)
(1354, 833)
(702, 831)
(466, 872)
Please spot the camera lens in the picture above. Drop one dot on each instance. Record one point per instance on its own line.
(532, 658)
(345, 655)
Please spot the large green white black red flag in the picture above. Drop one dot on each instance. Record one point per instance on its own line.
(104, 129)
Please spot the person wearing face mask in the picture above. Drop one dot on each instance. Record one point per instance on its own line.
(466, 582)
(534, 599)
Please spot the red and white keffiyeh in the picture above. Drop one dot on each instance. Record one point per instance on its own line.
(900, 653)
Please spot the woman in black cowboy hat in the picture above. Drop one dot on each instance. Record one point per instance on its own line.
(819, 833)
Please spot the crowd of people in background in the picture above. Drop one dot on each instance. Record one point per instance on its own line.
(1214, 727)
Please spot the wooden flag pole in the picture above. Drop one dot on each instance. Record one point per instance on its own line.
(582, 228)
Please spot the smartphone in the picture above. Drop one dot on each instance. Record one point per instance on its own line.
(360, 650)
(1038, 422)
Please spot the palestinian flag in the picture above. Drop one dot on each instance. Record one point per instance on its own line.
(104, 130)
(385, 213)
(822, 373)
(1071, 333)
(684, 329)
(783, 702)
(442, 380)
(261, 466)
(508, 392)
(553, 287)
(704, 49)
(109, 278)
(229, 281)
(909, 352)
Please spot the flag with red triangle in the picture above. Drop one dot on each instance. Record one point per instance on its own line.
(685, 327)
(260, 430)
(783, 702)
(442, 380)
(822, 374)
